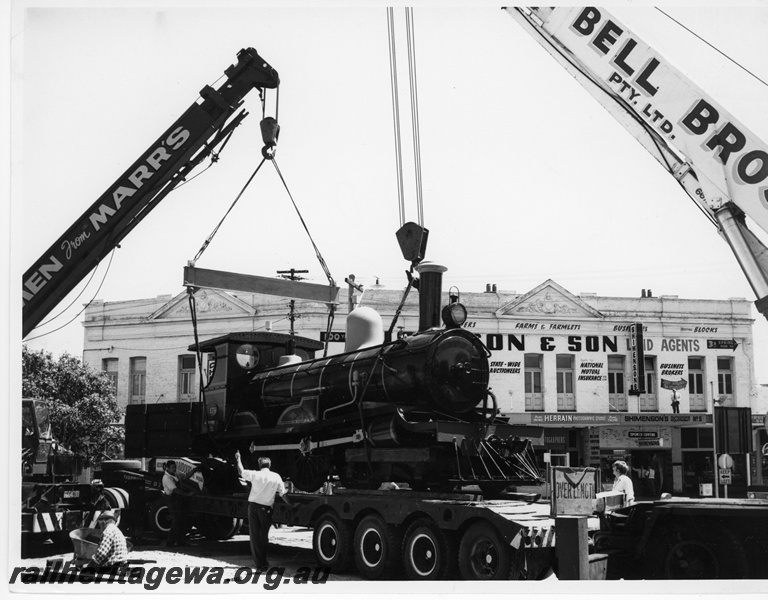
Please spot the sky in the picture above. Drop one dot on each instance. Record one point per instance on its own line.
(525, 177)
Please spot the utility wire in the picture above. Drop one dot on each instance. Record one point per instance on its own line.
(693, 33)
(103, 279)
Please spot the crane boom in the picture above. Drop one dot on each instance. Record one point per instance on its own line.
(717, 160)
(136, 192)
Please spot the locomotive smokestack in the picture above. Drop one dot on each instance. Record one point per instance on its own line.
(430, 294)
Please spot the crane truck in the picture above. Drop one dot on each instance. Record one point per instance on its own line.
(53, 503)
(723, 167)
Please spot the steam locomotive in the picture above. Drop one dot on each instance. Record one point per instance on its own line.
(416, 410)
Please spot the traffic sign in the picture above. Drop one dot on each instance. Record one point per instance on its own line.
(725, 477)
(724, 461)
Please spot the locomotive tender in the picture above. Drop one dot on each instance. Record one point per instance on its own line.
(416, 410)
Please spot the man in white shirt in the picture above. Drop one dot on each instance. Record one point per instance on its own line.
(265, 485)
(623, 483)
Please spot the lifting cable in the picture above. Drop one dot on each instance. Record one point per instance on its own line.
(270, 131)
(396, 114)
(411, 46)
(414, 113)
(398, 138)
(318, 254)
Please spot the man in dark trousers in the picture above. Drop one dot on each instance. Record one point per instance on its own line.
(265, 485)
(174, 494)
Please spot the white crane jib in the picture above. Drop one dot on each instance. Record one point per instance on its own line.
(719, 162)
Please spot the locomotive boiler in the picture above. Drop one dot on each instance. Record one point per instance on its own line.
(416, 410)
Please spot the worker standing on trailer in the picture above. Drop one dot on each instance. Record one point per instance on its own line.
(265, 485)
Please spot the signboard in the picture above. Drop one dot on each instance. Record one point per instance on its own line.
(635, 437)
(637, 360)
(335, 336)
(574, 491)
(582, 419)
(680, 384)
(722, 344)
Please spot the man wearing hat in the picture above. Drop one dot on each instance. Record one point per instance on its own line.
(113, 549)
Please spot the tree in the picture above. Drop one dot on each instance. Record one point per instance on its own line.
(81, 401)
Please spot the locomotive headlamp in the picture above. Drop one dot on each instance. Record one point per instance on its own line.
(454, 314)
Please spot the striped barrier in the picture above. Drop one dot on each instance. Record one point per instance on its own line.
(57, 521)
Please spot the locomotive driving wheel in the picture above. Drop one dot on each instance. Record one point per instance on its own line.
(309, 471)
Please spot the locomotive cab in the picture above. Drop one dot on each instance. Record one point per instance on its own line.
(231, 362)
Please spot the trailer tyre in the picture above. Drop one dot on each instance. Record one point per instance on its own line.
(377, 548)
(332, 542)
(160, 517)
(483, 554)
(219, 527)
(427, 553)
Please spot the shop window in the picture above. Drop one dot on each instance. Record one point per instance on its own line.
(696, 391)
(566, 399)
(725, 380)
(694, 438)
(534, 398)
(138, 380)
(187, 389)
(617, 396)
(109, 366)
(649, 401)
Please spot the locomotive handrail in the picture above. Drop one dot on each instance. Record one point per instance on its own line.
(495, 410)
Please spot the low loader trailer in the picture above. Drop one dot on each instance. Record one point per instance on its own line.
(392, 533)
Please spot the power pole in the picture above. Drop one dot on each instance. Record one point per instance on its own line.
(292, 275)
(351, 295)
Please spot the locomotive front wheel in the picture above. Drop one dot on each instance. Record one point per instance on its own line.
(377, 548)
(427, 552)
(483, 554)
(332, 543)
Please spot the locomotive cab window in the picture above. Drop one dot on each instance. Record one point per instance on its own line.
(247, 356)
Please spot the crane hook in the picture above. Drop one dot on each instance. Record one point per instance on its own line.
(270, 130)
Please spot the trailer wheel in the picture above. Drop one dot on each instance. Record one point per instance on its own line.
(218, 527)
(332, 543)
(708, 551)
(160, 517)
(427, 551)
(483, 554)
(377, 548)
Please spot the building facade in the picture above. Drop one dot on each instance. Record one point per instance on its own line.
(606, 378)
